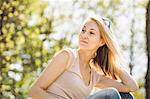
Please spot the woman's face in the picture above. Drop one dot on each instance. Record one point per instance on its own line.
(89, 37)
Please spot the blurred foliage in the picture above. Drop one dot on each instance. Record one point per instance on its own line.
(25, 31)
(22, 54)
(140, 94)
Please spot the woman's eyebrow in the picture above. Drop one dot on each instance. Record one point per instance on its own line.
(90, 29)
(93, 29)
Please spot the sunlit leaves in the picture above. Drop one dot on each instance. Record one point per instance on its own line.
(20, 46)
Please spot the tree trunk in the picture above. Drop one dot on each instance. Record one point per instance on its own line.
(147, 77)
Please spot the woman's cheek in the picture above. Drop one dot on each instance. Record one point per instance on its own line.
(96, 43)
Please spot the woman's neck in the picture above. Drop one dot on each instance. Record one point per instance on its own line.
(85, 56)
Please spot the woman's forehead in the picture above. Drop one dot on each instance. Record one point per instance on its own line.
(90, 24)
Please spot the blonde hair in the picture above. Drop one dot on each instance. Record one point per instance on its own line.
(110, 52)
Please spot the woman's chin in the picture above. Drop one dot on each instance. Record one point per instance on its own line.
(83, 47)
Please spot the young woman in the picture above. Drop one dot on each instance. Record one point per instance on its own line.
(73, 73)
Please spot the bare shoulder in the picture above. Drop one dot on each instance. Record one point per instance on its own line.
(62, 55)
(55, 68)
(97, 68)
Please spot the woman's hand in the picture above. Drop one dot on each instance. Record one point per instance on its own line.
(127, 83)
(126, 79)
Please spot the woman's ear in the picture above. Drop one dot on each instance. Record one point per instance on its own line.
(102, 42)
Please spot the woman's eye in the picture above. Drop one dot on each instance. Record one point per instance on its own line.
(83, 30)
(91, 33)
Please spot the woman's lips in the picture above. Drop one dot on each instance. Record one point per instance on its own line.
(83, 41)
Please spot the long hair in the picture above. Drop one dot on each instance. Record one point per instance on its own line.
(108, 56)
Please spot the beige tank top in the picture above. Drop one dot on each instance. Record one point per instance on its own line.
(70, 85)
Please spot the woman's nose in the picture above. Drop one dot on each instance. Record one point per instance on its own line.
(84, 35)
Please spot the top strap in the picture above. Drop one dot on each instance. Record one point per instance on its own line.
(71, 56)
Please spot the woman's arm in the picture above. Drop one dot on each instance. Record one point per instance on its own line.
(56, 67)
(127, 83)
